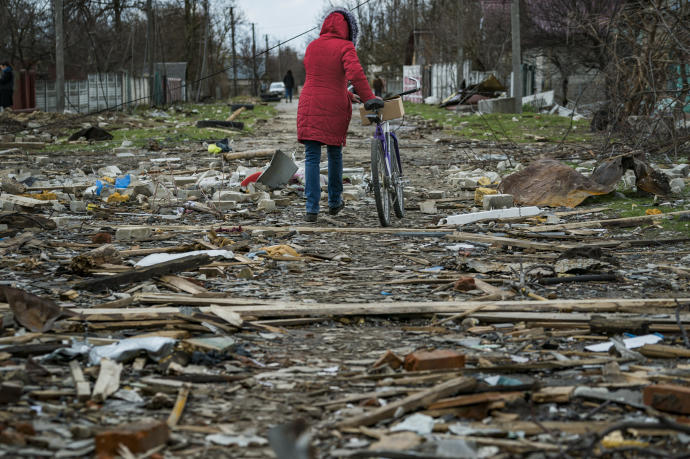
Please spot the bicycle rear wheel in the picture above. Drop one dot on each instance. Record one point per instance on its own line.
(378, 183)
(397, 186)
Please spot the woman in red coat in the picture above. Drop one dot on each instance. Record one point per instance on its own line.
(325, 105)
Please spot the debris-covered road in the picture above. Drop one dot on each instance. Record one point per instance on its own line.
(560, 334)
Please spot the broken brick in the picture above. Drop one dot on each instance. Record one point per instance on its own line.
(390, 359)
(25, 428)
(464, 284)
(138, 437)
(434, 360)
(668, 397)
(10, 392)
(102, 238)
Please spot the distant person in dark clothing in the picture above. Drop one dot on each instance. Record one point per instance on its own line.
(6, 85)
(378, 86)
(289, 82)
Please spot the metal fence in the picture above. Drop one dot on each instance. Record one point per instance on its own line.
(98, 92)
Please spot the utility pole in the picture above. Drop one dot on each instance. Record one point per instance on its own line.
(280, 65)
(202, 74)
(254, 76)
(234, 53)
(515, 36)
(266, 57)
(461, 44)
(59, 58)
(149, 46)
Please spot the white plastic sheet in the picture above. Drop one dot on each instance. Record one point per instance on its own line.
(157, 258)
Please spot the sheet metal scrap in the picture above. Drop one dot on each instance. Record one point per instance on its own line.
(610, 171)
(548, 182)
(33, 312)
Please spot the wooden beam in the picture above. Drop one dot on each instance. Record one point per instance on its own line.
(82, 385)
(493, 311)
(507, 241)
(627, 221)
(142, 274)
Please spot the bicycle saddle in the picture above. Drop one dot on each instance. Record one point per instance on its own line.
(373, 104)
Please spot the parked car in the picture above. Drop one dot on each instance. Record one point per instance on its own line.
(276, 91)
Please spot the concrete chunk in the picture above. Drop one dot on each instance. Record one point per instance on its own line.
(497, 201)
(480, 192)
(268, 205)
(77, 206)
(225, 205)
(428, 207)
(230, 196)
(133, 233)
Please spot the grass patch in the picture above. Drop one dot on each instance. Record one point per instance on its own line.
(178, 128)
(635, 206)
(501, 127)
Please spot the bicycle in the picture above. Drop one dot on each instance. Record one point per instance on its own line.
(386, 169)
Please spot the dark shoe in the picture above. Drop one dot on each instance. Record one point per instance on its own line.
(310, 217)
(335, 210)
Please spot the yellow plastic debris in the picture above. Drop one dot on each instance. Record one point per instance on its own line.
(480, 192)
(108, 180)
(214, 149)
(117, 197)
(654, 211)
(483, 181)
(92, 206)
(43, 196)
(281, 250)
(616, 440)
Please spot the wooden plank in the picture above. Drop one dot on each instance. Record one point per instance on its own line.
(473, 399)
(627, 221)
(305, 229)
(141, 274)
(553, 394)
(236, 113)
(507, 241)
(82, 385)
(231, 317)
(180, 403)
(183, 284)
(264, 153)
(108, 380)
(664, 351)
(411, 402)
(496, 311)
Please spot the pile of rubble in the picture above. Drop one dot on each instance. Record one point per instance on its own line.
(165, 303)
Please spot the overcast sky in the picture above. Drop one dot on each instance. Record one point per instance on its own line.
(282, 19)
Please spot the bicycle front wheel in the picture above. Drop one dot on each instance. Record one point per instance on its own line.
(379, 183)
(397, 186)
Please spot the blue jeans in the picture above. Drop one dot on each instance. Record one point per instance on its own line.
(312, 176)
(288, 94)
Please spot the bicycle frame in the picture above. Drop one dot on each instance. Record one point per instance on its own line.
(384, 134)
(386, 169)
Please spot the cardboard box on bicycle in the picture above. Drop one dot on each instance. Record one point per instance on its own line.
(392, 109)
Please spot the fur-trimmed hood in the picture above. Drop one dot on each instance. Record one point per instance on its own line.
(350, 19)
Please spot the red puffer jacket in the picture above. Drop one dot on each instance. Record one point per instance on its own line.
(325, 108)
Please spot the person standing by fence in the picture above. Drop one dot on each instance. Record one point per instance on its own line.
(6, 85)
(378, 86)
(289, 82)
